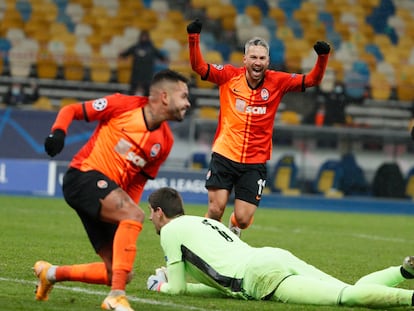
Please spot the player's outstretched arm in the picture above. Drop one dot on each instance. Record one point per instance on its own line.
(315, 76)
(197, 61)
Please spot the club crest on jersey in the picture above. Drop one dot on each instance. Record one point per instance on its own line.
(265, 94)
(102, 184)
(155, 150)
(218, 67)
(100, 104)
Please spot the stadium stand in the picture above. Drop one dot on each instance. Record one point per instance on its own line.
(375, 33)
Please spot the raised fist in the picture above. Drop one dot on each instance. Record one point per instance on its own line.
(322, 47)
(194, 26)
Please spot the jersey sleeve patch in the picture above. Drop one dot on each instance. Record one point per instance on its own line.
(100, 104)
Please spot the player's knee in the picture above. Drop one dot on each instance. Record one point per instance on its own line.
(244, 222)
(137, 214)
(214, 212)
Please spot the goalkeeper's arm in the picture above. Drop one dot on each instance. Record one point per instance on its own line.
(176, 283)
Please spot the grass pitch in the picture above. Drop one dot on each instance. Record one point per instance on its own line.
(344, 245)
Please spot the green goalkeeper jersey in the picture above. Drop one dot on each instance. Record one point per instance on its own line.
(211, 254)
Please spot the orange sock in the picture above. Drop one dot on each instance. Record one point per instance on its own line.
(93, 273)
(124, 249)
(235, 223)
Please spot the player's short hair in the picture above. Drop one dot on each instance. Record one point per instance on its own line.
(168, 75)
(256, 41)
(169, 200)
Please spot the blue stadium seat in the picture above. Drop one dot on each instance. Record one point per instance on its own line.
(334, 38)
(289, 6)
(356, 80)
(327, 19)
(375, 50)
(329, 177)
(277, 51)
(283, 177)
(208, 40)
(379, 16)
(354, 182)
(197, 161)
(224, 50)
(5, 46)
(25, 9)
(269, 23)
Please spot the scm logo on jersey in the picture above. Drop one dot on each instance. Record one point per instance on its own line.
(136, 159)
(256, 109)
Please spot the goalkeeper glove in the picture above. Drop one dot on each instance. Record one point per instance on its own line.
(55, 142)
(194, 26)
(322, 47)
(156, 280)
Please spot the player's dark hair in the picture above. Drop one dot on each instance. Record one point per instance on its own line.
(168, 75)
(169, 200)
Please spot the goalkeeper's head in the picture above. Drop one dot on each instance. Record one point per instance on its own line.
(164, 204)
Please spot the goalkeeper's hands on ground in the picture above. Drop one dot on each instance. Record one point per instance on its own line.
(156, 280)
(194, 27)
(322, 47)
(55, 142)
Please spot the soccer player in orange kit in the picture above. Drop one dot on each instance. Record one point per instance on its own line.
(106, 178)
(249, 99)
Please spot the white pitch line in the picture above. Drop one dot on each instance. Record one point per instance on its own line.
(355, 235)
(101, 293)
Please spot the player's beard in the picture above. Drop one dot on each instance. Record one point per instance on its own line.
(177, 113)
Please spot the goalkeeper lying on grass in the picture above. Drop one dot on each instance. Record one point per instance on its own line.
(229, 266)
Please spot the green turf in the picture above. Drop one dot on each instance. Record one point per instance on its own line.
(344, 245)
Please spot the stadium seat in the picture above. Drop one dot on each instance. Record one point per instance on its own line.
(46, 66)
(43, 103)
(19, 64)
(290, 117)
(328, 179)
(255, 14)
(73, 68)
(123, 70)
(374, 50)
(381, 88)
(67, 101)
(236, 58)
(278, 15)
(100, 70)
(409, 184)
(284, 176)
(15, 36)
(388, 70)
(197, 161)
(353, 180)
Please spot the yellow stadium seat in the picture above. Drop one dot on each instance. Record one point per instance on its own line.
(46, 66)
(73, 68)
(236, 58)
(255, 14)
(380, 87)
(278, 15)
(123, 70)
(100, 71)
(43, 103)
